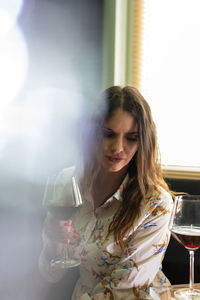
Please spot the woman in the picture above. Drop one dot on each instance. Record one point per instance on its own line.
(123, 224)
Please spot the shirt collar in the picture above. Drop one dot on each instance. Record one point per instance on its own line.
(118, 193)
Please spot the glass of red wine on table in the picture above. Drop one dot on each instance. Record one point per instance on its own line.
(185, 228)
(61, 198)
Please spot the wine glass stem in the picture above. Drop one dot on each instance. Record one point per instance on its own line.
(66, 255)
(191, 269)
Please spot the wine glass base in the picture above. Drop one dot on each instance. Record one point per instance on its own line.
(187, 293)
(64, 264)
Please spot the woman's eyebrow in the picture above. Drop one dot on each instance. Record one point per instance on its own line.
(131, 132)
(106, 128)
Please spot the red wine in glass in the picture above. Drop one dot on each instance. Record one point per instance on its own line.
(61, 212)
(189, 237)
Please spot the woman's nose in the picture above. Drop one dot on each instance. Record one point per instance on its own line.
(117, 145)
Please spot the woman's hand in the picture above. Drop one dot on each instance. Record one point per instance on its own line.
(60, 231)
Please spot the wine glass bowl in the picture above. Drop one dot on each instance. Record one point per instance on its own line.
(61, 198)
(185, 228)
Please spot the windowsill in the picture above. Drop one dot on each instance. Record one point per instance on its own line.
(181, 172)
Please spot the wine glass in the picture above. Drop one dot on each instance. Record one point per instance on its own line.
(185, 227)
(61, 198)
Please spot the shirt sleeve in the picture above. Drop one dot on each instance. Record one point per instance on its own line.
(142, 260)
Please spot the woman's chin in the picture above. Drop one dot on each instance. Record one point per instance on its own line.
(112, 168)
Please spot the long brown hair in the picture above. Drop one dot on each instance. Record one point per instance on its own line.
(144, 169)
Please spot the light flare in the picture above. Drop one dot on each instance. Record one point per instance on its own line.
(13, 66)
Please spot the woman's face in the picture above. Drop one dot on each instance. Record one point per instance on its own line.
(120, 141)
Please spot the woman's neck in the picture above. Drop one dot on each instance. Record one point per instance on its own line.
(106, 184)
(111, 178)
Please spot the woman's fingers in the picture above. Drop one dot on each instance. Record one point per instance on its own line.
(59, 230)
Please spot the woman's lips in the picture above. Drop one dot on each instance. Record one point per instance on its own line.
(114, 159)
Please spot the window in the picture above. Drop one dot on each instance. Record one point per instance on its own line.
(170, 78)
(163, 61)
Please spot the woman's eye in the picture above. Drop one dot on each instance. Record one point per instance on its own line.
(107, 134)
(132, 139)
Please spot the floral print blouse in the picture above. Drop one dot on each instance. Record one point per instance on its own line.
(105, 272)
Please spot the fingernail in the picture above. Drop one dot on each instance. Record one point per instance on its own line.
(67, 241)
(75, 236)
(72, 229)
(68, 223)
